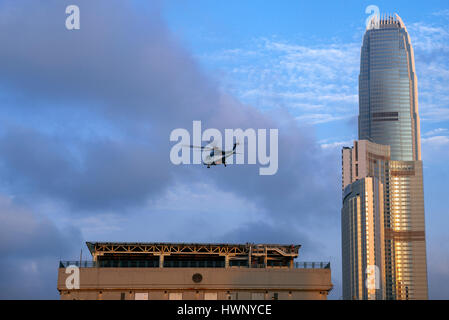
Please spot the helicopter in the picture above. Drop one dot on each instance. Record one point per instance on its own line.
(216, 155)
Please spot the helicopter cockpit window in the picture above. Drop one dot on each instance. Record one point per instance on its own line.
(212, 153)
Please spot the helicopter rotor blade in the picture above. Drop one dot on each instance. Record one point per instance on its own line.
(199, 148)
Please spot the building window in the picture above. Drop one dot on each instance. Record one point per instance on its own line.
(141, 296)
(175, 296)
(122, 296)
(257, 296)
(210, 296)
(233, 296)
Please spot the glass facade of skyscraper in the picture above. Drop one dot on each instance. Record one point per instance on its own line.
(388, 103)
(388, 118)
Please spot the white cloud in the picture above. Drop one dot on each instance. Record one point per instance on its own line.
(442, 13)
(318, 118)
(336, 145)
(431, 44)
(309, 79)
(428, 37)
(436, 141)
(435, 132)
(317, 84)
(435, 150)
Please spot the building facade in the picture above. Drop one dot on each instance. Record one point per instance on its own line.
(388, 90)
(365, 180)
(363, 240)
(164, 271)
(389, 153)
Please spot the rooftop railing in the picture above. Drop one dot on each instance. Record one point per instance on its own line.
(312, 265)
(186, 264)
(111, 264)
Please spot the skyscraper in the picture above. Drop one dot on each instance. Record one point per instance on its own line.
(364, 256)
(388, 92)
(382, 174)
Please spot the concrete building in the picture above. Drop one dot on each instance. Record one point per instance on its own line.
(365, 182)
(389, 153)
(173, 271)
(363, 241)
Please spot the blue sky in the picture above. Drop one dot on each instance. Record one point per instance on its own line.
(267, 46)
(85, 118)
(304, 56)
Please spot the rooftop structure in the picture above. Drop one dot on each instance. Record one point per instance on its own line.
(194, 271)
(194, 254)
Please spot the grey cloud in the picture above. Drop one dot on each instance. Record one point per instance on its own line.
(127, 68)
(128, 77)
(438, 280)
(25, 278)
(110, 174)
(437, 260)
(30, 249)
(147, 85)
(262, 232)
(25, 234)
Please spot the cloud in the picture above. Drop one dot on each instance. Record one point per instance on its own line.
(436, 141)
(274, 73)
(23, 233)
(86, 119)
(435, 132)
(110, 174)
(444, 13)
(435, 145)
(336, 145)
(144, 86)
(263, 232)
(30, 249)
(430, 42)
(438, 271)
(86, 122)
(318, 118)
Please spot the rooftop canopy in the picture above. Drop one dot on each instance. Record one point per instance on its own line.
(194, 248)
(166, 254)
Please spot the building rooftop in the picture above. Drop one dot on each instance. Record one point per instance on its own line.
(385, 21)
(122, 254)
(96, 248)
